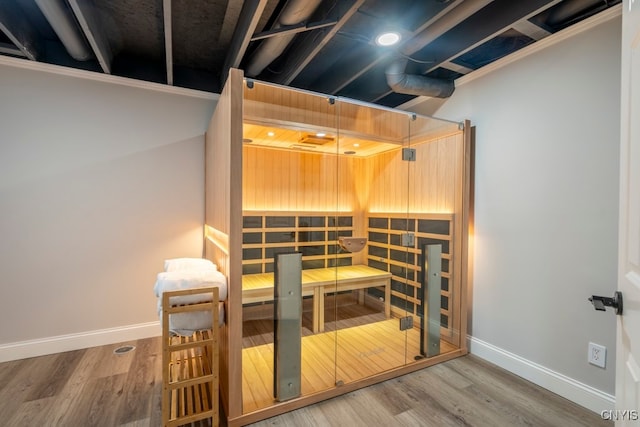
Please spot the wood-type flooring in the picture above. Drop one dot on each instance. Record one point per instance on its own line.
(96, 387)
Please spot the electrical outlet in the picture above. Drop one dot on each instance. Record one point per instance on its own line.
(597, 355)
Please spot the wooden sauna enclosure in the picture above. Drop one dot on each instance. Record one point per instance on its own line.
(376, 203)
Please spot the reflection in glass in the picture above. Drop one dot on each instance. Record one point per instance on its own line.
(301, 193)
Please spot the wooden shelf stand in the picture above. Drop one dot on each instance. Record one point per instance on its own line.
(190, 363)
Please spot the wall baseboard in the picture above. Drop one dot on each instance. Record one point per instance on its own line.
(582, 394)
(60, 343)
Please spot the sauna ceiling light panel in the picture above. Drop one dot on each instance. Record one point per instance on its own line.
(315, 139)
(302, 147)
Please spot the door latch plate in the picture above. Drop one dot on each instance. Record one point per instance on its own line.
(408, 240)
(406, 323)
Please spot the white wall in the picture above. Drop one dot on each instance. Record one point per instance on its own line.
(99, 183)
(546, 202)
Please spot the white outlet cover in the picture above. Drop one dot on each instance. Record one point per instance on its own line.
(597, 355)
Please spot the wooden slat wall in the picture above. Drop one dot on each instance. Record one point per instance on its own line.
(450, 333)
(357, 230)
(290, 181)
(270, 104)
(428, 185)
(391, 125)
(276, 180)
(223, 208)
(283, 137)
(296, 181)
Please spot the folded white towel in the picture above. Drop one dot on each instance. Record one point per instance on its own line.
(190, 273)
(186, 324)
(181, 264)
(179, 280)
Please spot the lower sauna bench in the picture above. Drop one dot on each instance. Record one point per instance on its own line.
(190, 363)
(317, 282)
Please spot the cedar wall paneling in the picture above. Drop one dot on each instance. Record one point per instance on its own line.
(281, 180)
(270, 104)
(428, 185)
(223, 175)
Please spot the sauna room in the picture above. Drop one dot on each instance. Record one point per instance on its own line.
(342, 229)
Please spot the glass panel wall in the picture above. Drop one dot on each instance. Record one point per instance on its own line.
(435, 213)
(290, 205)
(371, 294)
(370, 200)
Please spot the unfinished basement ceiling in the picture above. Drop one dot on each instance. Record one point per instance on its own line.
(320, 45)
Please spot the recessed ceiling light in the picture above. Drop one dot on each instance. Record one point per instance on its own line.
(388, 38)
(271, 133)
(321, 134)
(356, 145)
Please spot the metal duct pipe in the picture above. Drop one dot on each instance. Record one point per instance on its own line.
(401, 82)
(415, 84)
(294, 12)
(65, 26)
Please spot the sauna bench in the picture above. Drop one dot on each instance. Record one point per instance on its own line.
(317, 282)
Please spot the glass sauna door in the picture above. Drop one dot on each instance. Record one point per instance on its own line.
(289, 243)
(371, 264)
(396, 282)
(434, 216)
(350, 252)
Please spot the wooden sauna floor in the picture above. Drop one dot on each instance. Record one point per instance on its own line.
(258, 330)
(347, 355)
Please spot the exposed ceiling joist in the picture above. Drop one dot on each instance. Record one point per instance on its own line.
(246, 26)
(456, 67)
(529, 29)
(16, 27)
(451, 19)
(495, 18)
(10, 49)
(85, 14)
(292, 12)
(294, 29)
(445, 20)
(193, 43)
(168, 39)
(231, 17)
(303, 53)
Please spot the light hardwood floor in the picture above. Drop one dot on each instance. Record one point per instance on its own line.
(95, 387)
(462, 392)
(350, 355)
